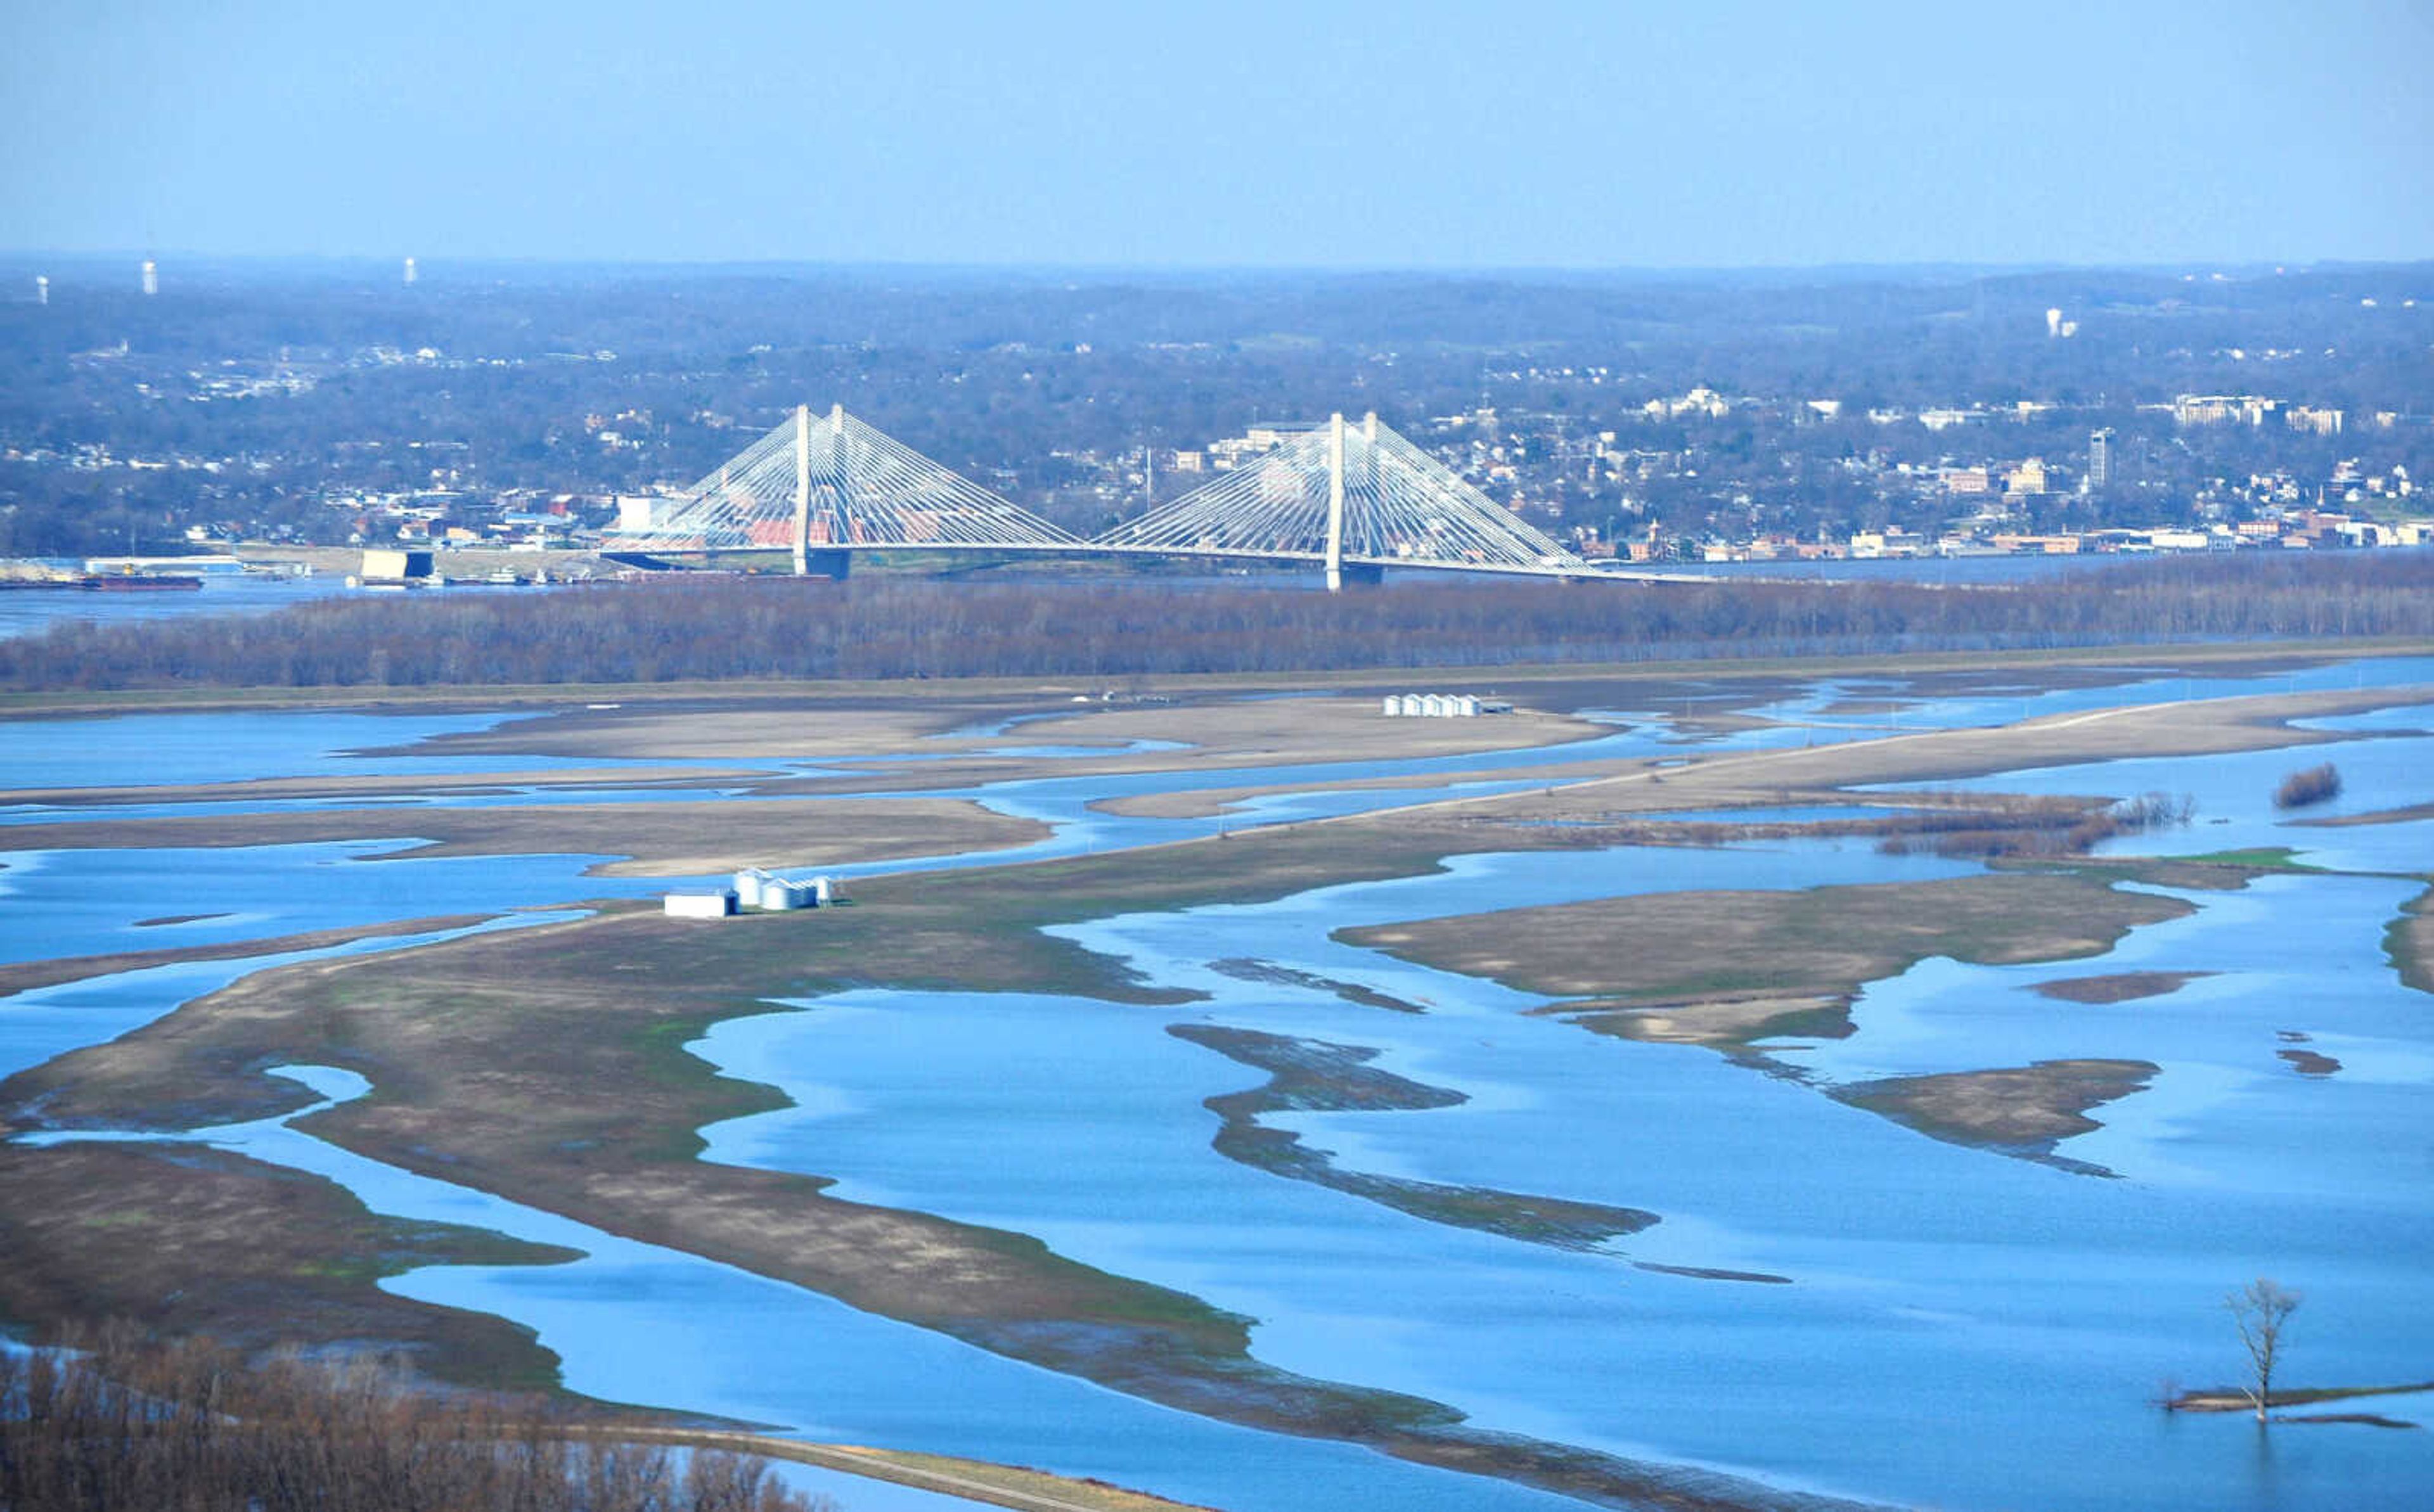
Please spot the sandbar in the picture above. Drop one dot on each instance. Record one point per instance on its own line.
(1315, 1075)
(2119, 987)
(2019, 1110)
(669, 839)
(1669, 949)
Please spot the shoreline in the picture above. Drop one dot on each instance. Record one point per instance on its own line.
(2235, 1399)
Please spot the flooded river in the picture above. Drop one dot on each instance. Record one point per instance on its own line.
(1915, 1322)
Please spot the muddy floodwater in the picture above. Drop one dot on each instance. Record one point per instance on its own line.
(1828, 1301)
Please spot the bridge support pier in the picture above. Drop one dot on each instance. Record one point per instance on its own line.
(1356, 575)
(837, 564)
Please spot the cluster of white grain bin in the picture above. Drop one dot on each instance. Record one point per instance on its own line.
(1438, 707)
(753, 888)
(757, 888)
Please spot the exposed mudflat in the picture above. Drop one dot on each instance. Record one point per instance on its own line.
(2024, 1110)
(667, 839)
(2119, 987)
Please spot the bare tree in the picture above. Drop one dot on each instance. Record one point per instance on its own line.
(2260, 1310)
(184, 1425)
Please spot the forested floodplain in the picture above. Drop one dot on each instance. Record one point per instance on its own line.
(192, 1427)
(705, 627)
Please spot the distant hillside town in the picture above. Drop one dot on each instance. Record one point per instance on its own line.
(1861, 416)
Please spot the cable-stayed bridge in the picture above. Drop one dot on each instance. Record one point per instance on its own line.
(831, 486)
(1353, 500)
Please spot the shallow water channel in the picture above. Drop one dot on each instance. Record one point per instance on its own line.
(1941, 1325)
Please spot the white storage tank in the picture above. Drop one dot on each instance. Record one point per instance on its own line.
(766, 890)
(699, 905)
(1466, 706)
(823, 892)
(1433, 706)
(1393, 705)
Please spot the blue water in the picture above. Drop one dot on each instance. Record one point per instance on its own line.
(1821, 706)
(28, 612)
(1935, 570)
(763, 1351)
(1930, 1282)
(43, 1023)
(2388, 765)
(90, 903)
(1961, 1329)
(167, 750)
(505, 795)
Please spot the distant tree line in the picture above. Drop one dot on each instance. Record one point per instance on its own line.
(687, 627)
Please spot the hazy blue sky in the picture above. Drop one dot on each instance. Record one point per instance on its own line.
(1520, 132)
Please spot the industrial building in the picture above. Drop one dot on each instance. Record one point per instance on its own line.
(756, 890)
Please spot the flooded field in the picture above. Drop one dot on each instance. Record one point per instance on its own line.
(1821, 1291)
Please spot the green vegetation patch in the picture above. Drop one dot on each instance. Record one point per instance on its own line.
(2258, 859)
(208, 1241)
(2408, 943)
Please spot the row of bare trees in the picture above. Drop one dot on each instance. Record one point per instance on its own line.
(1998, 825)
(188, 1426)
(703, 627)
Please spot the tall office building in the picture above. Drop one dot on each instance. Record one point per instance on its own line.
(2099, 459)
(151, 276)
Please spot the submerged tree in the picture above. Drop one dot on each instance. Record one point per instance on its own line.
(2309, 784)
(2260, 1310)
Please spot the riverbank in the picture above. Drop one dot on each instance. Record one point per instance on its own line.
(662, 839)
(25, 976)
(1550, 684)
